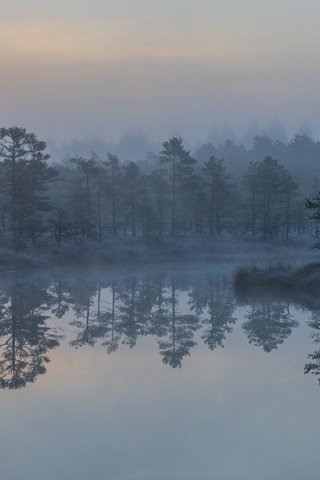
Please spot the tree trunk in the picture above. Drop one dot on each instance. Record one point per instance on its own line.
(211, 209)
(287, 219)
(253, 212)
(88, 207)
(114, 226)
(173, 214)
(99, 215)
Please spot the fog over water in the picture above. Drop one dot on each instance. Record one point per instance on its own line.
(147, 151)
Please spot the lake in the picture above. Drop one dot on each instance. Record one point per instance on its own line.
(160, 373)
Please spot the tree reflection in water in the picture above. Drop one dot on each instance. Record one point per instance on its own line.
(25, 335)
(268, 324)
(313, 365)
(213, 302)
(179, 311)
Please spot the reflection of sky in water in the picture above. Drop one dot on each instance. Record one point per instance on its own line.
(231, 413)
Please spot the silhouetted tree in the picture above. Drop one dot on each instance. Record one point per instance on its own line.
(252, 182)
(89, 168)
(24, 175)
(219, 189)
(179, 166)
(113, 166)
(313, 204)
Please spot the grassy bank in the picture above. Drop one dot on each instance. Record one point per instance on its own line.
(122, 251)
(280, 281)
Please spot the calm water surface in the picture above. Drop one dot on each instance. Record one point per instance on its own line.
(159, 375)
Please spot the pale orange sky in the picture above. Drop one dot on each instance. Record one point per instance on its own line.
(72, 68)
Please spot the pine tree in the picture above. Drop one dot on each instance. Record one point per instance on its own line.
(179, 165)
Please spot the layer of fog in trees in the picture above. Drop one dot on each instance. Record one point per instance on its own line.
(227, 189)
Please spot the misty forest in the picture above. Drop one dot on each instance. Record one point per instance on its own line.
(159, 240)
(160, 314)
(250, 193)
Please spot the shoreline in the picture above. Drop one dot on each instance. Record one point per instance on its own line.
(299, 285)
(179, 250)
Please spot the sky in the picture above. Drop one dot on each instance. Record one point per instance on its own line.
(76, 68)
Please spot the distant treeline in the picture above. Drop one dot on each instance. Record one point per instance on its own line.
(82, 199)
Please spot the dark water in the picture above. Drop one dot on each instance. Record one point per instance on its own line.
(155, 375)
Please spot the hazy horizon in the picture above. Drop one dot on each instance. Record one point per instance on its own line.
(77, 69)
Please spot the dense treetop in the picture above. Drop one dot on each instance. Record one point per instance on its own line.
(176, 193)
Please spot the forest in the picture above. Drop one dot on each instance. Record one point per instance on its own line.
(257, 193)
